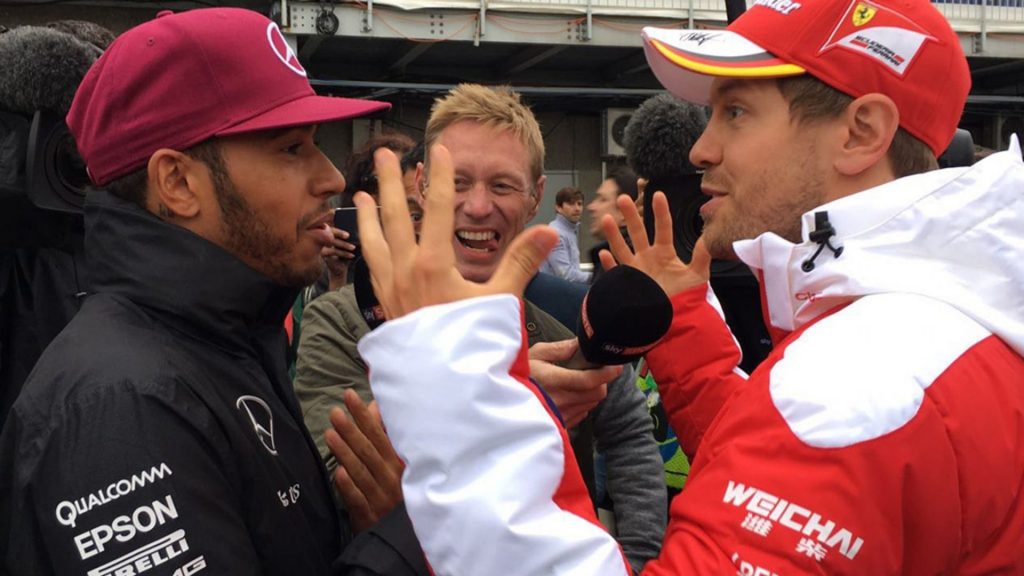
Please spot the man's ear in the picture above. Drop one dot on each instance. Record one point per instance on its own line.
(174, 179)
(869, 126)
(537, 196)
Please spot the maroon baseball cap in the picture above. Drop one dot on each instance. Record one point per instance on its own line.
(904, 49)
(180, 79)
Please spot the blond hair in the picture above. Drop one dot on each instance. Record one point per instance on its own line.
(496, 107)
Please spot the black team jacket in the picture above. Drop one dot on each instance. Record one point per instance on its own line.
(159, 434)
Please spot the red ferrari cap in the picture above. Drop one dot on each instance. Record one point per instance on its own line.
(904, 49)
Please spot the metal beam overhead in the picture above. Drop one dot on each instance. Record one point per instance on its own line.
(580, 91)
(529, 58)
(410, 55)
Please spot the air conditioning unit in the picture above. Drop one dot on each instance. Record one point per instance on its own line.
(613, 126)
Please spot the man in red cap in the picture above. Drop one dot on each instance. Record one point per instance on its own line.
(882, 435)
(158, 433)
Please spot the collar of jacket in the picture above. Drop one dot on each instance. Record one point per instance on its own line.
(953, 235)
(183, 279)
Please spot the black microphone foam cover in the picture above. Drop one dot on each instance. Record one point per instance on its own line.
(366, 299)
(623, 316)
(659, 136)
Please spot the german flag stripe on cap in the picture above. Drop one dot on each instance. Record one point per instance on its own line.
(761, 65)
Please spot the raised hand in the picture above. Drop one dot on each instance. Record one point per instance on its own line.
(369, 474)
(658, 260)
(407, 276)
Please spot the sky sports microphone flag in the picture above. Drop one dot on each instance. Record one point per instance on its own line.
(904, 49)
(624, 314)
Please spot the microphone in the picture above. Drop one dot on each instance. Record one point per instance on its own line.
(657, 140)
(39, 163)
(42, 176)
(42, 69)
(623, 316)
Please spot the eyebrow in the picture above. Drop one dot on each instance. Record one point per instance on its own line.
(725, 87)
(503, 175)
(275, 133)
(525, 181)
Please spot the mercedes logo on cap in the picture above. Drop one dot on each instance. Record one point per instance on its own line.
(283, 49)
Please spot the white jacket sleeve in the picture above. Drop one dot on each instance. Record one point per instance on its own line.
(491, 483)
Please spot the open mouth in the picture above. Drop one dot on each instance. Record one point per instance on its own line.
(478, 241)
(321, 229)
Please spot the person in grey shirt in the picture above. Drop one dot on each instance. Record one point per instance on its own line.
(564, 260)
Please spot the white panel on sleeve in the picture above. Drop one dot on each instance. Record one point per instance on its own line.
(863, 372)
(483, 456)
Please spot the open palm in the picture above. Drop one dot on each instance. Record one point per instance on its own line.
(658, 260)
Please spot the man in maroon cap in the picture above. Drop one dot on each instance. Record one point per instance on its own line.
(881, 436)
(158, 433)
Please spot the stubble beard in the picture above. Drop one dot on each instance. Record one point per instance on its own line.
(247, 235)
(751, 218)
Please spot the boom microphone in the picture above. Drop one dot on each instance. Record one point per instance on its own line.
(42, 69)
(623, 316)
(42, 182)
(39, 164)
(657, 140)
(89, 32)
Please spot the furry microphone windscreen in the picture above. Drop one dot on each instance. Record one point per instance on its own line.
(42, 68)
(659, 136)
(85, 31)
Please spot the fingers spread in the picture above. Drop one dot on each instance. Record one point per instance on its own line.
(394, 208)
(522, 259)
(607, 260)
(634, 224)
(701, 260)
(662, 221)
(616, 243)
(375, 249)
(438, 224)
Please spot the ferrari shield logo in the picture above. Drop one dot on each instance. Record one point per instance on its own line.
(863, 14)
(880, 33)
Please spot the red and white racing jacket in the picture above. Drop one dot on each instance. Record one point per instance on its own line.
(882, 436)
